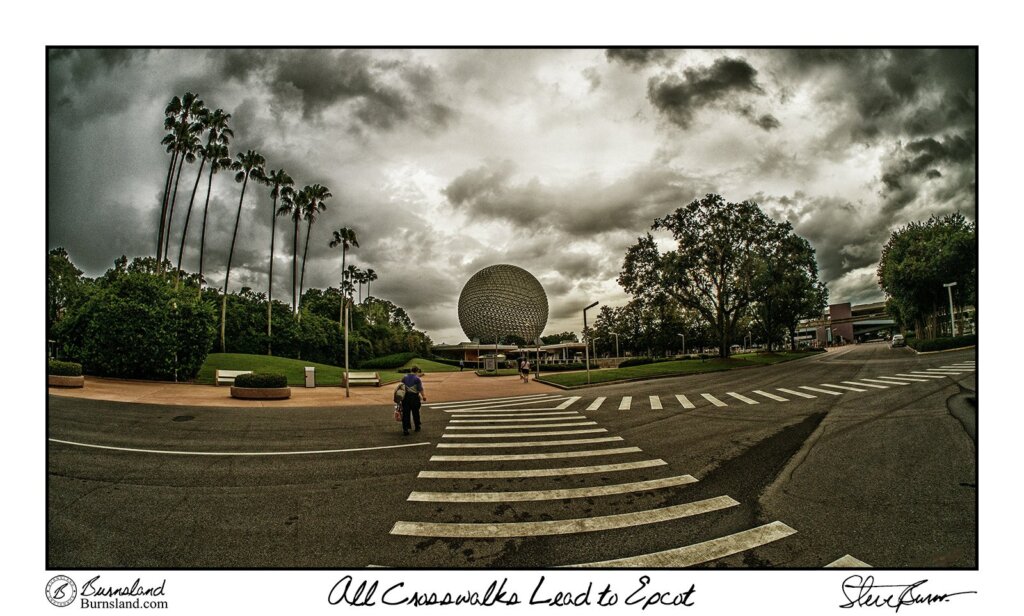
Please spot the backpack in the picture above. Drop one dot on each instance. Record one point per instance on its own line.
(399, 393)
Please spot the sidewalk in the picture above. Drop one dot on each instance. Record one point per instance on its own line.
(439, 387)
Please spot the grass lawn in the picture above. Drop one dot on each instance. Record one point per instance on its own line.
(294, 369)
(670, 368)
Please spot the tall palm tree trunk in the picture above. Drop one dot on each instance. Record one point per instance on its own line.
(270, 282)
(302, 276)
(341, 311)
(202, 235)
(163, 208)
(295, 267)
(170, 215)
(188, 215)
(227, 274)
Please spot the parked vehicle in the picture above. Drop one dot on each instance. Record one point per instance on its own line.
(897, 341)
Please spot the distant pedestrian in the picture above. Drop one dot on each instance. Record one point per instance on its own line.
(462, 365)
(411, 402)
(524, 370)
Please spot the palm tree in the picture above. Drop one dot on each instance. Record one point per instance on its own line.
(181, 126)
(248, 165)
(217, 125)
(313, 202)
(282, 183)
(344, 237)
(352, 276)
(220, 158)
(370, 277)
(293, 207)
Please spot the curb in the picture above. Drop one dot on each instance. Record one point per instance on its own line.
(972, 346)
(261, 393)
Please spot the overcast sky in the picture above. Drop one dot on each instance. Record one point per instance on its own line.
(447, 161)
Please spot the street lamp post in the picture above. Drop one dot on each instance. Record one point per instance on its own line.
(586, 348)
(616, 345)
(683, 336)
(952, 324)
(594, 342)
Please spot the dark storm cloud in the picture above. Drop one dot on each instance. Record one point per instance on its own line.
(77, 78)
(380, 94)
(585, 206)
(636, 57)
(722, 84)
(907, 170)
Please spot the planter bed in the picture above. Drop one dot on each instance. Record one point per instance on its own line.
(261, 393)
(53, 380)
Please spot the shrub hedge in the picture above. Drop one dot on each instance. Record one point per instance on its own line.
(261, 379)
(64, 368)
(940, 344)
(563, 367)
(388, 362)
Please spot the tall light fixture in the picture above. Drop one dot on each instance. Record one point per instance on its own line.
(952, 324)
(586, 347)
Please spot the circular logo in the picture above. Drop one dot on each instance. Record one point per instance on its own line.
(61, 591)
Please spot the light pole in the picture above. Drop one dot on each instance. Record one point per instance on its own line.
(594, 342)
(952, 324)
(586, 348)
(616, 345)
(683, 336)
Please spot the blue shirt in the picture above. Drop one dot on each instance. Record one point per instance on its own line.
(411, 379)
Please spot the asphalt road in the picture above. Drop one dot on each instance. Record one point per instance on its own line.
(886, 474)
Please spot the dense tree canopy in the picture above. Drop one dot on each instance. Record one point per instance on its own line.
(918, 260)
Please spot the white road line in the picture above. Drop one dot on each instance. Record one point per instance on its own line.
(865, 384)
(578, 441)
(526, 427)
(234, 453)
(625, 402)
(821, 391)
(517, 434)
(904, 378)
(848, 562)
(656, 403)
(947, 371)
(560, 527)
(698, 553)
(596, 404)
(770, 396)
(559, 416)
(714, 400)
(534, 410)
(530, 398)
(926, 375)
(842, 387)
(741, 398)
(685, 401)
(958, 367)
(567, 403)
(540, 495)
(795, 393)
(885, 382)
(542, 472)
(536, 456)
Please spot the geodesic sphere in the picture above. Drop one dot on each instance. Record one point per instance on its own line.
(503, 300)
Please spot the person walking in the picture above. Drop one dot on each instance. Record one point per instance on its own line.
(462, 365)
(414, 394)
(524, 371)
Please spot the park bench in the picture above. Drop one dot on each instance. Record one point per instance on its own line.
(227, 377)
(362, 378)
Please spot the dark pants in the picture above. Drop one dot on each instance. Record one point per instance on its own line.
(410, 406)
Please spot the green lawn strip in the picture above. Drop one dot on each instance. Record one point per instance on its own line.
(295, 369)
(669, 368)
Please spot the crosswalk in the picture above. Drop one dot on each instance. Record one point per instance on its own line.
(514, 424)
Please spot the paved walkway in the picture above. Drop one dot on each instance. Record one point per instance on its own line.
(439, 387)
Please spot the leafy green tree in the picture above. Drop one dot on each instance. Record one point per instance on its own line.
(282, 188)
(246, 166)
(918, 259)
(712, 269)
(561, 337)
(65, 286)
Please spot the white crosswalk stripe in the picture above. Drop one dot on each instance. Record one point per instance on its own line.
(508, 457)
(596, 404)
(821, 391)
(656, 402)
(542, 472)
(741, 398)
(576, 441)
(521, 434)
(920, 375)
(683, 400)
(526, 427)
(885, 382)
(794, 393)
(561, 416)
(842, 387)
(625, 403)
(567, 403)
(714, 400)
(865, 384)
(511, 400)
(770, 396)
(904, 378)
(539, 495)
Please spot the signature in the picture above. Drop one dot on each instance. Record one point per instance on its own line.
(863, 592)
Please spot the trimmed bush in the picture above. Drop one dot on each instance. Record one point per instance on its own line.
(261, 380)
(941, 344)
(388, 362)
(63, 368)
(562, 367)
(636, 361)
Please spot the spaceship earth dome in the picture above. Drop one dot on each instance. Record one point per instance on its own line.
(503, 300)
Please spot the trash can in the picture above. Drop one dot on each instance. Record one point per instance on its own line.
(310, 376)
